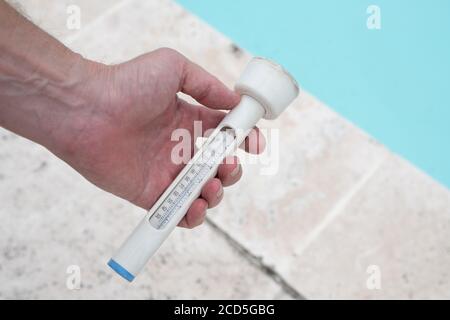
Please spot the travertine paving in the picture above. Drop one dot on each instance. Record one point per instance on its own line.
(339, 204)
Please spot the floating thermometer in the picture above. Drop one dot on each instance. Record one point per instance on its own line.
(266, 90)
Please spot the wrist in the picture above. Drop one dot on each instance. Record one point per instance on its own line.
(76, 96)
(44, 98)
(42, 82)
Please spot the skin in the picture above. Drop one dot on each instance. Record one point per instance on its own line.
(111, 123)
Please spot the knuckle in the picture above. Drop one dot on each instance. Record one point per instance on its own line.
(171, 55)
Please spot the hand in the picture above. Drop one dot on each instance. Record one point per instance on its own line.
(113, 124)
(120, 137)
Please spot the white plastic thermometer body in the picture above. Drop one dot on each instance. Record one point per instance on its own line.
(266, 91)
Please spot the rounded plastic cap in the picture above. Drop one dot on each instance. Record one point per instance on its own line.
(269, 84)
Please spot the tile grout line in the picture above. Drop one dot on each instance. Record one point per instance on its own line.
(71, 38)
(256, 261)
(340, 206)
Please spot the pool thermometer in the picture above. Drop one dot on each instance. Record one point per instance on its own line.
(266, 90)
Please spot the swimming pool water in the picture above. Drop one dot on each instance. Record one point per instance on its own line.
(393, 82)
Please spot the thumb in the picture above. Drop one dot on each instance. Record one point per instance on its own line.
(206, 88)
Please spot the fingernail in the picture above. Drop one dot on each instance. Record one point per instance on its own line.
(220, 192)
(236, 171)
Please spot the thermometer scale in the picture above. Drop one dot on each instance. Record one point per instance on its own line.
(194, 177)
(266, 90)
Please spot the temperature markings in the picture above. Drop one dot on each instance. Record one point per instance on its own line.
(192, 180)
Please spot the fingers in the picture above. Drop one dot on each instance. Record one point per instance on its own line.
(255, 142)
(205, 88)
(212, 193)
(230, 171)
(195, 215)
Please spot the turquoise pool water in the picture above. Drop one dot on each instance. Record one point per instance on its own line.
(393, 82)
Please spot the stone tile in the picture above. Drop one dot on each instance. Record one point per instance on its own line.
(321, 159)
(52, 218)
(52, 15)
(399, 222)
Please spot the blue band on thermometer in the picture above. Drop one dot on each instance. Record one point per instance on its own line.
(120, 270)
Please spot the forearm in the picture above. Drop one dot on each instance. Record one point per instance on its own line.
(41, 80)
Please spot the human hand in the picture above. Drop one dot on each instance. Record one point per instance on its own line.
(120, 136)
(113, 124)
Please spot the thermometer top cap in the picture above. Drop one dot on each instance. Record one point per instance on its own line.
(269, 84)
